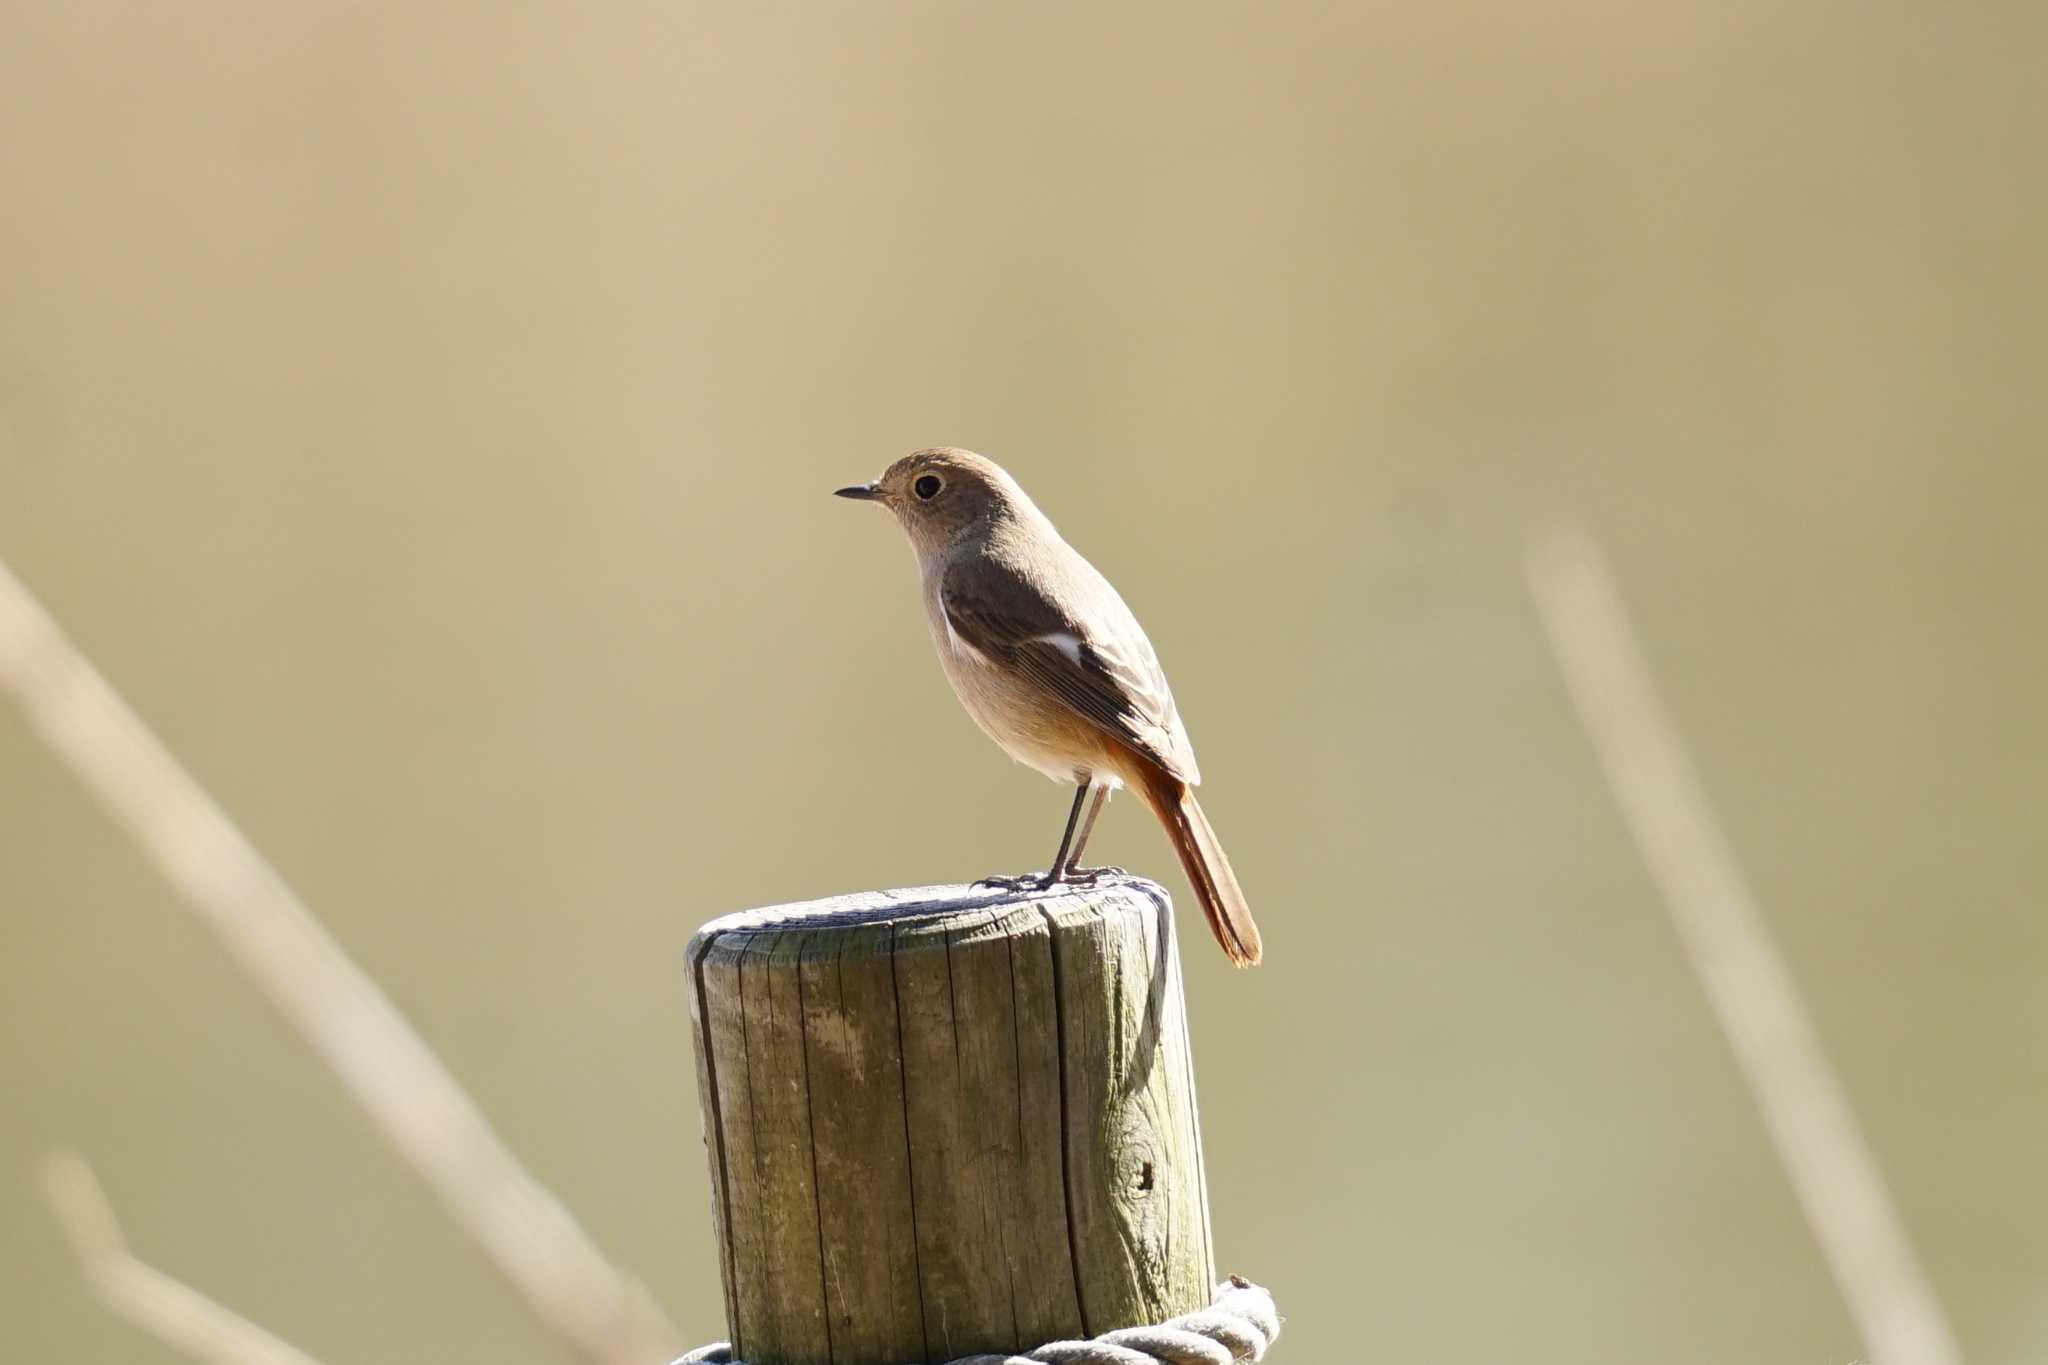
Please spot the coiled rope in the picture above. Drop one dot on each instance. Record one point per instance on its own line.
(1238, 1326)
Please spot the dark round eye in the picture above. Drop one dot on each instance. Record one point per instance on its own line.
(926, 487)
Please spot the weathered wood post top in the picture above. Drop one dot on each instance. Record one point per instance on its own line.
(948, 1120)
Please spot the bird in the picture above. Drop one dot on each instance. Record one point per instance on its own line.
(1051, 664)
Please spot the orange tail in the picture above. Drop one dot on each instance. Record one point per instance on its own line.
(1201, 857)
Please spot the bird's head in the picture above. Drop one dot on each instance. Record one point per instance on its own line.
(939, 494)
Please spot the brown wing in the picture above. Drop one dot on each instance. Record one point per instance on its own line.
(1084, 649)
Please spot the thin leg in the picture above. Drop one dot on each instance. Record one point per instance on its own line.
(1058, 871)
(1073, 863)
(1087, 876)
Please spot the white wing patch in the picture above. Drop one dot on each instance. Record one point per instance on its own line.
(1066, 642)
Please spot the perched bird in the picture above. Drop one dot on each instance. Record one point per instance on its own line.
(1050, 662)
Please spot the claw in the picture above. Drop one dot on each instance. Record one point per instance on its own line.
(1088, 876)
(1046, 881)
(1028, 881)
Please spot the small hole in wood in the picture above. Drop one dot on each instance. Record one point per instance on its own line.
(1145, 1177)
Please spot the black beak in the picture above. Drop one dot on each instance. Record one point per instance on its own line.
(866, 492)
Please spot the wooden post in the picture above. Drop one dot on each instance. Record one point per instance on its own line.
(947, 1120)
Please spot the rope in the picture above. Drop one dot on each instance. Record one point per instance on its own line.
(1239, 1325)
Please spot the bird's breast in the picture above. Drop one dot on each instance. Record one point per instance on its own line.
(1031, 727)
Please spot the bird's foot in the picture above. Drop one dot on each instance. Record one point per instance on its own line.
(1046, 881)
(1088, 876)
(1027, 881)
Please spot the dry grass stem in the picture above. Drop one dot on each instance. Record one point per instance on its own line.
(605, 1316)
(173, 1312)
(1831, 1169)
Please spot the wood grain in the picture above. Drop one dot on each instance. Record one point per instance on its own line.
(948, 1120)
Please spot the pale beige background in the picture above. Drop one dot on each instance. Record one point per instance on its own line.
(426, 412)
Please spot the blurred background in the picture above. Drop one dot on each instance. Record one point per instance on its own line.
(427, 412)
